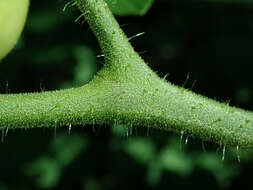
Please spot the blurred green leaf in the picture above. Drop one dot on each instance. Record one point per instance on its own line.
(86, 65)
(177, 161)
(222, 171)
(171, 159)
(67, 148)
(48, 168)
(119, 130)
(154, 173)
(129, 7)
(142, 149)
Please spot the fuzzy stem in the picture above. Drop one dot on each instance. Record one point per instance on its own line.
(111, 38)
(127, 92)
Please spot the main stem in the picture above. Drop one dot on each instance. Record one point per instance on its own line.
(126, 91)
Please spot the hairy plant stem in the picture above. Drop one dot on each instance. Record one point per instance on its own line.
(127, 91)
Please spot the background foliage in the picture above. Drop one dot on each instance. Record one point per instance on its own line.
(206, 41)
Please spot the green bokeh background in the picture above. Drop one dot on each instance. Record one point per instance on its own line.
(203, 45)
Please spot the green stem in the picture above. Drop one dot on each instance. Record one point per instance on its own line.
(127, 92)
(120, 56)
(111, 38)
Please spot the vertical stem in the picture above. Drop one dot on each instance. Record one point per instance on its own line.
(113, 42)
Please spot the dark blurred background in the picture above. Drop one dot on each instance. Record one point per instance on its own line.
(203, 45)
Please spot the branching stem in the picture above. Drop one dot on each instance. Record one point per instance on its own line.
(127, 91)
